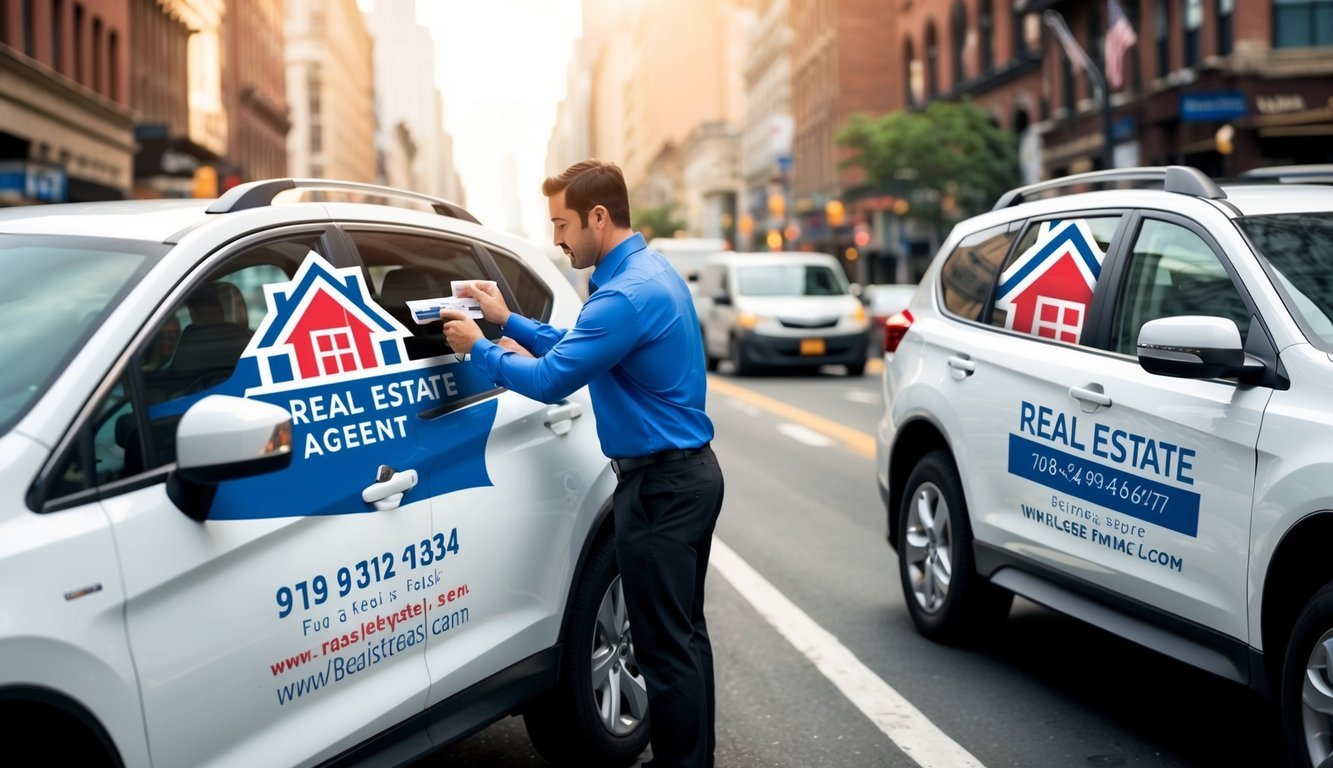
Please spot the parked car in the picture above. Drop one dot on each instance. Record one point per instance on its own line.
(688, 254)
(256, 512)
(1115, 403)
(780, 309)
(883, 301)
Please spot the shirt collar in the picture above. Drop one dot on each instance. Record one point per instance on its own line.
(615, 259)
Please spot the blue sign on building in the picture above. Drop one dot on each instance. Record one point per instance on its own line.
(1212, 106)
(28, 182)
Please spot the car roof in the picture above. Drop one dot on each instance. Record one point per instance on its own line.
(153, 220)
(766, 258)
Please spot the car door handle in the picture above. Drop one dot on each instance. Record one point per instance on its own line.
(560, 417)
(1090, 397)
(387, 492)
(962, 366)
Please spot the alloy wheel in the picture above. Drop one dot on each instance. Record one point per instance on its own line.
(1317, 701)
(618, 688)
(929, 539)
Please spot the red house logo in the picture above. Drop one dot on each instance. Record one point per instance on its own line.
(323, 323)
(1046, 291)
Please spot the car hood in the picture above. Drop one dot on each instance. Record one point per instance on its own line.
(801, 309)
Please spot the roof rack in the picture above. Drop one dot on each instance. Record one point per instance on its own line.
(1175, 178)
(257, 194)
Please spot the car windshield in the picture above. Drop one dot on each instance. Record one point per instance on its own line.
(789, 280)
(1299, 248)
(54, 292)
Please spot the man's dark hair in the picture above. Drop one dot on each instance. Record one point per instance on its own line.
(589, 184)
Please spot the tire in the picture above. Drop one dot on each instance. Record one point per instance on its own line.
(856, 369)
(598, 675)
(710, 362)
(1307, 683)
(948, 600)
(739, 367)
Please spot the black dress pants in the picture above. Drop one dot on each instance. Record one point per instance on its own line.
(665, 514)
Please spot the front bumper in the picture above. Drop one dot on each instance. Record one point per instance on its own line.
(774, 351)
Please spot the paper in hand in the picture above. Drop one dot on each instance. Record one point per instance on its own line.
(428, 310)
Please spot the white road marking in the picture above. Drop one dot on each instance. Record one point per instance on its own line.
(749, 409)
(805, 435)
(914, 734)
(862, 396)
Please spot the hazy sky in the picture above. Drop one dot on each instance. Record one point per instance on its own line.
(501, 66)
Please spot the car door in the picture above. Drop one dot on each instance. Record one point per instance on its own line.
(507, 476)
(286, 607)
(1128, 481)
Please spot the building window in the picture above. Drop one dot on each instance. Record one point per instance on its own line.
(26, 23)
(958, 33)
(1019, 34)
(910, 67)
(113, 66)
(1161, 22)
(932, 62)
(1224, 35)
(1096, 45)
(1302, 23)
(99, 68)
(57, 22)
(78, 42)
(1193, 20)
(986, 24)
(1067, 81)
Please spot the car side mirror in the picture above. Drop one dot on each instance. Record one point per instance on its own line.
(223, 438)
(722, 299)
(1194, 347)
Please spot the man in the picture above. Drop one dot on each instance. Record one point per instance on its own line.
(636, 345)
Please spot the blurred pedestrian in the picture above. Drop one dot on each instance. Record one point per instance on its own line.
(636, 345)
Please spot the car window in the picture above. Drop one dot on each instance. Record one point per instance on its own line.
(968, 273)
(1172, 271)
(54, 293)
(1299, 249)
(788, 280)
(533, 296)
(405, 267)
(1046, 286)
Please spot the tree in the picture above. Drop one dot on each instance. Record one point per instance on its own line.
(657, 222)
(949, 159)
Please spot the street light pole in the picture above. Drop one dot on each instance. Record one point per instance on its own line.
(1096, 78)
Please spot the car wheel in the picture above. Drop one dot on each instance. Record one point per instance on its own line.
(598, 715)
(710, 362)
(739, 366)
(1307, 683)
(948, 600)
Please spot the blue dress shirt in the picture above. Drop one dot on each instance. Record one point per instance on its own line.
(636, 345)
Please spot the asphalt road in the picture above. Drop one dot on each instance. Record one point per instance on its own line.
(802, 510)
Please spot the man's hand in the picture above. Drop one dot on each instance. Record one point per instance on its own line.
(460, 331)
(493, 305)
(509, 345)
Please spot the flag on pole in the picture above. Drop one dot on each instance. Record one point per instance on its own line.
(1120, 38)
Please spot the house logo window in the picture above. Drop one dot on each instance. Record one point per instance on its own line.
(1058, 319)
(334, 351)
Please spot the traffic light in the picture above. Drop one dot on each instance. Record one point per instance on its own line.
(835, 212)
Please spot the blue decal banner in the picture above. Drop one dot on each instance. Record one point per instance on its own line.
(1176, 509)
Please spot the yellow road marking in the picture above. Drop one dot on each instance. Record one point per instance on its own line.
(855, 440)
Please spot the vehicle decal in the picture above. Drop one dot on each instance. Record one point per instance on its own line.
(1047, 290)
(337, 362)
(1130, 478)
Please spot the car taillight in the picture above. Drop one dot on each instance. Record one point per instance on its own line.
(895, 328)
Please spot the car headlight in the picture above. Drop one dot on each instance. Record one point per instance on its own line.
(747, 320)
(859, 315)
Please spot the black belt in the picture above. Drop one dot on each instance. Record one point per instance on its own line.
(621, 466)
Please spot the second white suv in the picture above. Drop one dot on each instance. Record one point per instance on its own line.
(1116, 404)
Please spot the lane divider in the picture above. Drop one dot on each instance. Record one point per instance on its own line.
(855, 440)
(904, 724)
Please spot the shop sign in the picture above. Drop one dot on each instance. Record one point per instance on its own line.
(1212, 106)
(23, 181)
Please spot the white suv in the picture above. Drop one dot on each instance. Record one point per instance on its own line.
(253, 513)
(1115, 404)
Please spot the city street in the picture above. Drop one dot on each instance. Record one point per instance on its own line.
(802, 510)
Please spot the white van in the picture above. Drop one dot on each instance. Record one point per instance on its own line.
(780, 309)
(688, 254)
